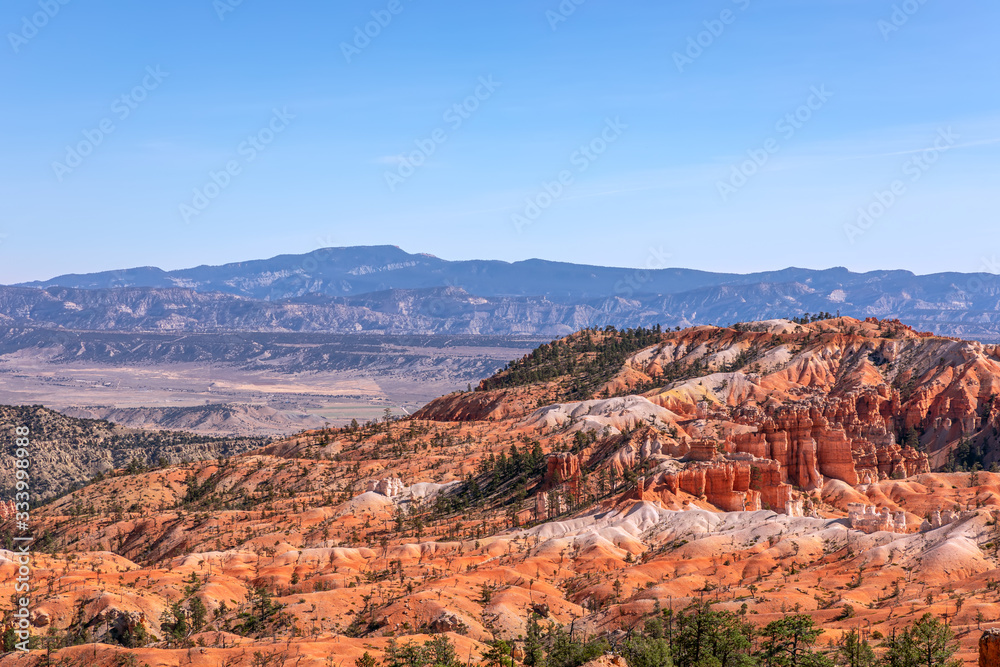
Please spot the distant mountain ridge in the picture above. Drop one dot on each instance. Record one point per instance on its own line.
(364, 269)
(387, 290)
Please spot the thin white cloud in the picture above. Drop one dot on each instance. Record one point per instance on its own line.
(968, 144)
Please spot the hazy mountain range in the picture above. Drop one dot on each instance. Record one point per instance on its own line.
(382, 289)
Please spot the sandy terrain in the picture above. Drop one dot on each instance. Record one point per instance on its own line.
(303, 397)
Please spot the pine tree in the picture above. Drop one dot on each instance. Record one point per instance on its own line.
(788, 642)
(853, 651)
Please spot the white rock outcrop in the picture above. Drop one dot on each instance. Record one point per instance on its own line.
(390, 487)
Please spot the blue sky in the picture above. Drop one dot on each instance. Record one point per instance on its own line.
(670, 152)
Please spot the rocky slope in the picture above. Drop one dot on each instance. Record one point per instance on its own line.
(66, 452)
(217, 419)
(603, 479)
(837, 398)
